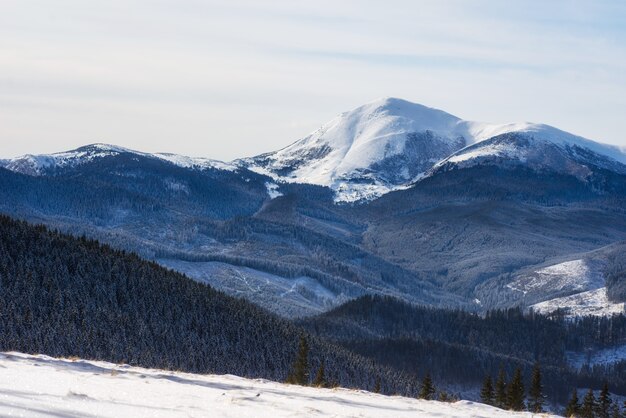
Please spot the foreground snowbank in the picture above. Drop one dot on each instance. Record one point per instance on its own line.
(40, 386)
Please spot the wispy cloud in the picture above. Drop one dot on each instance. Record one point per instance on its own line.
(213, 78)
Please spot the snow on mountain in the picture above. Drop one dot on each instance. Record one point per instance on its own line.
(576, 285)
(390, 143)
(386, 145)
(569, 276)
(290, 297)
(603, 357)
(368, 151)
(36, 165)
(536, 146)
(194, 162)
(272, 190)
(593, 302)
(41, 386)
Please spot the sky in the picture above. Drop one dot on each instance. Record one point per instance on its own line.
(228, 79)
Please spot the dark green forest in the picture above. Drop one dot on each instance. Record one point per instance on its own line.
(66, 296)
(461, 347)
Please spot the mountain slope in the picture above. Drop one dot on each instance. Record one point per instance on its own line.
(296, 254)
(66, 296)
(390, 143)
(475, 229)
(36, 165)
(367, 151)
(473, 206)
(461, 347)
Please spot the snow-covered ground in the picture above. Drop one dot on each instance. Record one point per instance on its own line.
(570, 276)
(41, 386)
(576, 285)
(603, 357)
(302, 296)
(593, 302)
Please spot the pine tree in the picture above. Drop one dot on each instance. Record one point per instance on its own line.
(588, 408)
(501, 400)
(377, 385)
(320, 377)
(573, 407)
(615, 412)
(444, 397)
(486, 393)
(515, 395)
(604, 402)
(427, 390)
(535, 393)
(299, 374)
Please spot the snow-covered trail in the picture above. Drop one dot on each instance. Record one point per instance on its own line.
(41, 386)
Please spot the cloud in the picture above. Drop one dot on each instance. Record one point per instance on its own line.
(214, 78)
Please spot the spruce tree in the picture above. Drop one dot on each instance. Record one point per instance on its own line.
(615, 412)
(588, 408)
(486, 393)
(299, 374)
(427, 390)
(320, 377)
(604, 402)
(377, 385)
(573, 406)
(535, 393)
(501, 401)
(515, 395)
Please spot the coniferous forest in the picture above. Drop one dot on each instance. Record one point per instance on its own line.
(458, 347)
(68, 296)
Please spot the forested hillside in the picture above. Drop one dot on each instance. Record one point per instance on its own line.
(66, 296)
(458, 347)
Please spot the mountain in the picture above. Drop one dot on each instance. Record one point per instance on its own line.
(465, 211)
(391, 143)
(43, 164)
(368, 151)
(385, 145)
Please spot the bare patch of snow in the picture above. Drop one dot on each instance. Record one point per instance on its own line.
(272, 190)
(194, 162)
(569, 276)
(289, 297)
(602, 357)
(593, 302)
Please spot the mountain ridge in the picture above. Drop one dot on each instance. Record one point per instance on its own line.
(385, 145)
(391, 143)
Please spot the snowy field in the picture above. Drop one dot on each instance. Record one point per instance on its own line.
(40, 386)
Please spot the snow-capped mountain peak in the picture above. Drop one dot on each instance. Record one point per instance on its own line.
(536, 146)
(380, 145)
(390, 143)
(36, 165)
